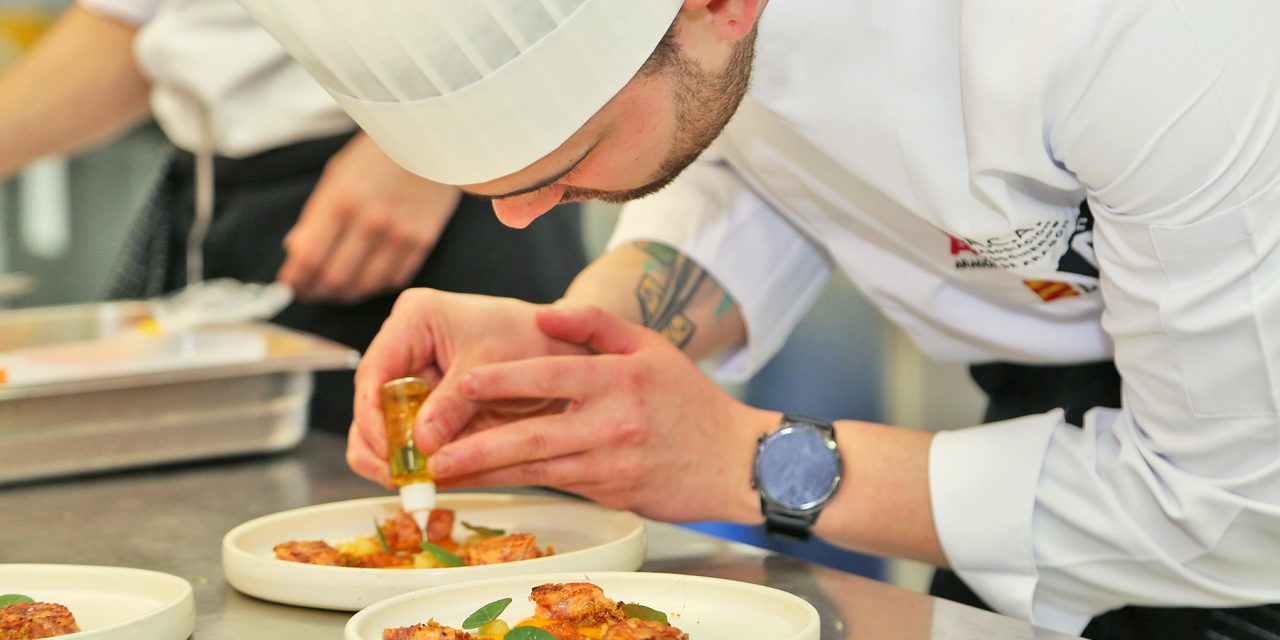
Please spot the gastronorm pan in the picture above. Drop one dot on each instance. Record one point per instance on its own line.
(121, 419)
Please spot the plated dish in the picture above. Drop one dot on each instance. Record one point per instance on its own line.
(585, 537)
(108, 603)
(562, 611)
(703, 608)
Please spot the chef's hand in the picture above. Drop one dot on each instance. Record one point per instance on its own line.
(366, 229)
(440, 336)
(644, 430)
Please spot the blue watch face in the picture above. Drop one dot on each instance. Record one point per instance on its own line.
(797, 467)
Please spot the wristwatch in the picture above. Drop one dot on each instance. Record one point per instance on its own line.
(797, 472)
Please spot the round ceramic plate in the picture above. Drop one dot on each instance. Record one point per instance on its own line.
(586, 537)
(109, 603)
(704, 608)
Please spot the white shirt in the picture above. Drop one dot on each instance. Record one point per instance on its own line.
(936, 153)
(219, 82)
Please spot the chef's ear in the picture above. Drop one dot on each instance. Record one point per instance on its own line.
(727, 19)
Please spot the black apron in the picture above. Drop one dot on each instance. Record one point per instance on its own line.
(257, 200)
(1019, 390)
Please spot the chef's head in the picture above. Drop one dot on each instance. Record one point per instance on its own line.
(530, 102)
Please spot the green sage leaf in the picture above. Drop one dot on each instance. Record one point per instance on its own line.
(486, 614)
(633, 610)
(483, 531)
(528, 633)
(14, 598)
(443, 555)
(382, 540)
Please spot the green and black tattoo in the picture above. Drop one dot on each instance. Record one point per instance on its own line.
(671, 282)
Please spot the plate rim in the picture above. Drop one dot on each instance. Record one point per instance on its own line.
(186, 593)
(812, 624)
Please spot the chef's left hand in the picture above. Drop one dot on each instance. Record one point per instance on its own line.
(366, 229)
(644, 430)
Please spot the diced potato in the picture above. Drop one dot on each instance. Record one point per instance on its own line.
(496, 628)
(362, 546)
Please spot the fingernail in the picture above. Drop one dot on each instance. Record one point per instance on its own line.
(468, 384)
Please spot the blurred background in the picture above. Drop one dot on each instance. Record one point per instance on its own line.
(63, 221)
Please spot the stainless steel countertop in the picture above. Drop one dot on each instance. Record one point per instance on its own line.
(173, 519)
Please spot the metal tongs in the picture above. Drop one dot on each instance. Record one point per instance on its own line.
(219, 301)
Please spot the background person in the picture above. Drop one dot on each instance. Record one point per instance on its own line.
(270, 181)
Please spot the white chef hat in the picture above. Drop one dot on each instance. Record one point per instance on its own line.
(466, 91)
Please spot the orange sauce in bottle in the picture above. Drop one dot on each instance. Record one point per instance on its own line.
(401, 400)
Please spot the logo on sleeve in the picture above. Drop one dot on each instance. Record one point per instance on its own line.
(1031, 246)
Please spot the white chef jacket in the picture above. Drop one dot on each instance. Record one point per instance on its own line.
(219, 82)
(936, 153)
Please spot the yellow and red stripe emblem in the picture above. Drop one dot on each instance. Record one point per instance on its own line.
(1050, 290)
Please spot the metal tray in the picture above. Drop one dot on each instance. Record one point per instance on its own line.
(114, 422)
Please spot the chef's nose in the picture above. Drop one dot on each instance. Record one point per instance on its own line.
(519, 211)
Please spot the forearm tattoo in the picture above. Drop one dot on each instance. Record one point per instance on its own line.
(671, 282)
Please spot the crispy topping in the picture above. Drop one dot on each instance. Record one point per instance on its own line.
(29, 621)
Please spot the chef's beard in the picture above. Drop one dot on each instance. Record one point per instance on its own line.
(705, 102)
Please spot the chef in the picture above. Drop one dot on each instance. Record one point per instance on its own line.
(1040, 189)
(271, 182)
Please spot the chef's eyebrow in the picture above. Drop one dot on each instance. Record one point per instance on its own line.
(541, 184)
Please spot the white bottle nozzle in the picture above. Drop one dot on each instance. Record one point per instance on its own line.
(418, 500)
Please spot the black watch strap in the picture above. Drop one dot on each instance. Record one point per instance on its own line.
(826, 426)
(785, 525)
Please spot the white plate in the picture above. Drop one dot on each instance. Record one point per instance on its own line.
(704, 608)
(586, 537)
(109, 603)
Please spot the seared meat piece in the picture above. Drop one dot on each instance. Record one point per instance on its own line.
(28, 621)
(440, 525)
(402, 533)
(636, 629)
(517, 546)
(429, 631)
(581, 602)
(308, 551)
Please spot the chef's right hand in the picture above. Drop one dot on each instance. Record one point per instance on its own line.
(439, 336)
